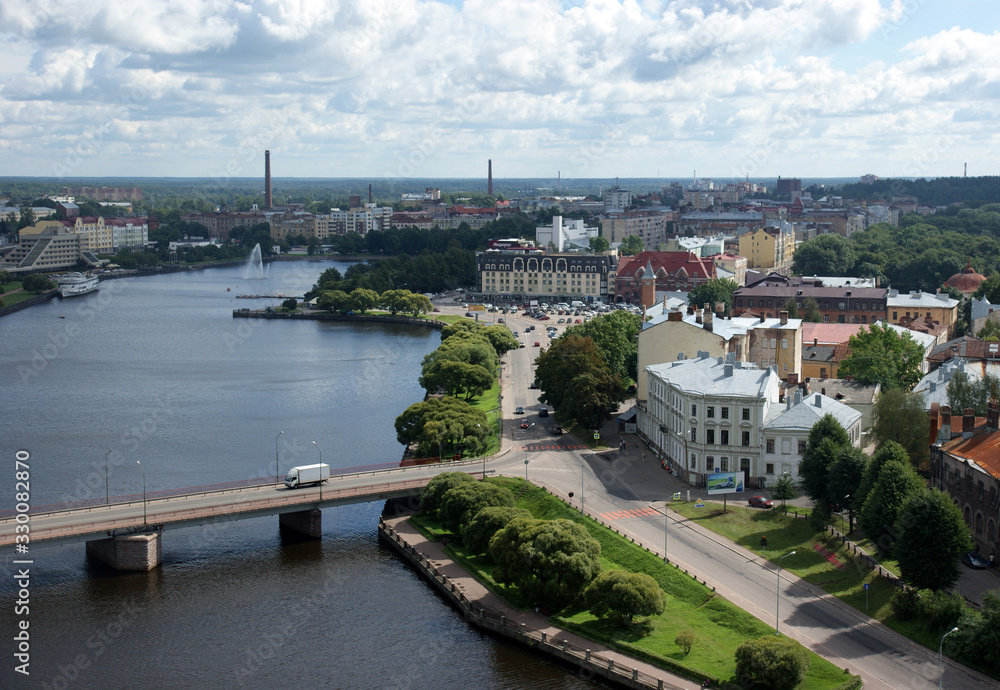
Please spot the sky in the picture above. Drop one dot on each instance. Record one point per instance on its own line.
(417, 88)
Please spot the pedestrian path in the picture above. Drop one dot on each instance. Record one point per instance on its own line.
(553, 446)
(624, 514)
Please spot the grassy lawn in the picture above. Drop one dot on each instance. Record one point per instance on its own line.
(10, 300)
(785, 533)
(718, 625)
(489, 403)
(586, 436)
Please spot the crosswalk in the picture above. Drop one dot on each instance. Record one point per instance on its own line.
(625, 514)
(554, 446)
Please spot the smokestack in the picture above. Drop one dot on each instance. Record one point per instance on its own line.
(267, 180)
(489, 182)
(369, 192)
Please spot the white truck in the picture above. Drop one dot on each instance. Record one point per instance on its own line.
(306, 475)
(576, 304)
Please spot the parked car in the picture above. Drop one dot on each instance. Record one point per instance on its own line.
(533, 386)
(520, 346)
(974, 560)
(524, 424)
(558, 430)
(537, 344)
(500, 320)
(760, 502)
(469, 315)
(518, 410)
(544, 412)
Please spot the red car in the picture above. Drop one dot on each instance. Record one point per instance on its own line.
(524, 424)
(760, 502)
(537, 344)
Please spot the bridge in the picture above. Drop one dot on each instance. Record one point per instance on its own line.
(126, 535)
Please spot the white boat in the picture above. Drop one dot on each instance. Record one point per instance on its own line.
(73, 284)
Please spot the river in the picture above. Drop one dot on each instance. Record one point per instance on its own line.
(158, 371)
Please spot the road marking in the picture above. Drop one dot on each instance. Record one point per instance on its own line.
(540, 447)
(625, 514)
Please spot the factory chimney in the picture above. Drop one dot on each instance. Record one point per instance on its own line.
(267, 180)
(489, 182)
(369, 192)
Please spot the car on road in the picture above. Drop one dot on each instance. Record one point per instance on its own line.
(524, 424)
(518, 410)
(974, 560)
(500, 320)
(558, 430)
(533, 386)
(578, 321)
(544, 412)
(537, 344)
(562, 320)
(469, 315)
(760, 502)
(516, 334)
(520, 346)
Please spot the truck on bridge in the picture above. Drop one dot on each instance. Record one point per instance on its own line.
(307, 475)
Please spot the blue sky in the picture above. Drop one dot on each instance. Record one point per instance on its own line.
(414, 88)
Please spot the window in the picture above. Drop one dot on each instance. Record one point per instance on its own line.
(710, 412)
(724, 437)
(710, 463)
(770, 445)
(694, 410)
(724, 412)
(745, 465)
(694, 461)
(822, 372)
(710, 436)
(745, 414)
(746, 438)
(802, 447)
(895, 317)
(694, 435)
(769, 468)
(841, 319)
(784, 343)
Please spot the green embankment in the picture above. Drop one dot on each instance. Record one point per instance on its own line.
(718, 625)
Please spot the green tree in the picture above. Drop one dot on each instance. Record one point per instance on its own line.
(37, 283)
(500, 337)
(417, 304)
(932, 538)
(631, 245)
(26, 219)
(551, 561)
(844, 479)
(964, 393)
(900, 416)
(461, 503)
(599, 244)
(574, 379)
(477, 533)
(456, 377)
(772, 662)
(784, 490)
(685, 640)
(432, 495)
(624, 596)
(361, 300)
(792, 309)
(990, 331)
(333, 300)
(5, 277)
(978, 636)
(881, 355)
(810, 311)
(825, 255)
(615, 336)
(290, 304)
(896, 482)
(436, 421)
(712, 292)
(886, 451)
(394, 301)
(826, 438)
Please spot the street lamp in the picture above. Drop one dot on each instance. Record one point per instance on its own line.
(484, 455)
(143, 493)
(777, 592)
(107, 493)
(941, 658)
(320, 470)
(666, 522)
(277, 472)
(526, 450)
(850, 515)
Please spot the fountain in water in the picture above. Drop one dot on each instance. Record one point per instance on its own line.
(255, 269)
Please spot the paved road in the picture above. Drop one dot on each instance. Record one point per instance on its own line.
(627, 492)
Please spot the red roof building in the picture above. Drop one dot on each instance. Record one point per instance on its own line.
(966, 282)
(675, 271)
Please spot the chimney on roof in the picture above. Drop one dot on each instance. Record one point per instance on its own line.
(720, 309)
(727, 369)
(707, 318)
(815, 342)
(763, 316)
(793, 379)
(819, 400)
(993, 415)
(697, 314)
(783, 316)
(798, 396)
(945, 433)
(968, 422)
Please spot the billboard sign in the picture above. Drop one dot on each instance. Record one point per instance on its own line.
(725, 483)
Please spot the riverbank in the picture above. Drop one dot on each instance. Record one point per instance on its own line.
(488, 612)
(330, 316)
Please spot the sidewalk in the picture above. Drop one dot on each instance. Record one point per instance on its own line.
(481, 597)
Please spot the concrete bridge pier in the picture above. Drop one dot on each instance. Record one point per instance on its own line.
(307, 522)
(128, 552)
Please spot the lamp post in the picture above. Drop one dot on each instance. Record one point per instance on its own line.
(143, 493)
(777, 592)
(277, 472)
(526, 450)
(320, 470)
(107, 492)
(666, 522)
(941, 658)
(850, 515)
(484, 455)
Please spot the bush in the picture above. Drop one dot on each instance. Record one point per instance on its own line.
(685, 640)
(437, 487)
(624, 595)
(477, 534)
(820, 518)
(461, 503)
(905, 603)
(936, 611)
(773, 662)
(290, 304)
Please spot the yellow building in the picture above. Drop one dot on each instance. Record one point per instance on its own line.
(903, 309)
(48, 246)
(100, 236)
(769, 249)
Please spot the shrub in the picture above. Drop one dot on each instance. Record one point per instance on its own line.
(685, 641)
(461, 503)
(624, 595)
(437, 487)
(905, 603)
(773, 662)
(477, 534)
(290, 304)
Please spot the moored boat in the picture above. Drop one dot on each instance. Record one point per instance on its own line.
(74, 284)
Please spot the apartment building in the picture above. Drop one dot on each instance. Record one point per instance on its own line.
(507, 274)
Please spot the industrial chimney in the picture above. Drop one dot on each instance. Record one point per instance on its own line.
(267, 180)
(489, 181)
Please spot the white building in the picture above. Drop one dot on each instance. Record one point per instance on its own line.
(617, 200)
(709, 415)
(565, 235)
